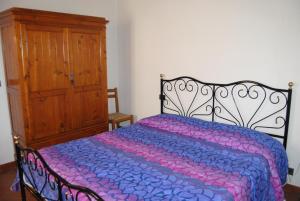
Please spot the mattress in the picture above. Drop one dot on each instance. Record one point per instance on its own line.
(171, 157)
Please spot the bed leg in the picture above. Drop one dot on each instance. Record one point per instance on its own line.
(23, 192)
(19, 159)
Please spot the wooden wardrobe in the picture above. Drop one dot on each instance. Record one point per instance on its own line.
(55, 66)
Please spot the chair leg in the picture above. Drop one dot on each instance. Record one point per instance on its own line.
(131, 119)
(113, 125)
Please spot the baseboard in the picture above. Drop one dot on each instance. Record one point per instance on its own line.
(7, 166)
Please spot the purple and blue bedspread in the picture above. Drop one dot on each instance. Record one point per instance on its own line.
(170, 157)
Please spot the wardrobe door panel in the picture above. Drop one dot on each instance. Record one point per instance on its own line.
(88, 107)
(47, 116)
(89, 78)
(75, 103)
(85, 54)
(91, 107)
(47, 63)
(47, 80)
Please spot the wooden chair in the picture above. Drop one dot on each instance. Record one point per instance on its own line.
(116, 118)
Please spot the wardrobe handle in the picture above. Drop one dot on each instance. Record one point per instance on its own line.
(71, 78)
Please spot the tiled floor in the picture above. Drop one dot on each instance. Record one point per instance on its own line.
(7, 176)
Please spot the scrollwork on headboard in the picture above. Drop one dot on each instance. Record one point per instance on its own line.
(244, 103)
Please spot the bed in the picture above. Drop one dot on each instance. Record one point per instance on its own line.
(227, 154)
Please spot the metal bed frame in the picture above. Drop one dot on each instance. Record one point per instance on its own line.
(214, 108)
(36, 165)
(30, 163)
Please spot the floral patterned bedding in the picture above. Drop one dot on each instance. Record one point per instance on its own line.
(170, 157)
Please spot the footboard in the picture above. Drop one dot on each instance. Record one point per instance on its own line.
(44, 183)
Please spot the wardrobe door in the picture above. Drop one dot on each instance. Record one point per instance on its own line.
(88, 64)
(46, 76)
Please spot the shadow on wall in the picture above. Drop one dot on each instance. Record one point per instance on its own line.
(5, 136)
(125, 63)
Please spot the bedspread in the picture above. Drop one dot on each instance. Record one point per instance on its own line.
(170, 157)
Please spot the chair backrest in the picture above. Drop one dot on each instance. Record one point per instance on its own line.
(113, 93)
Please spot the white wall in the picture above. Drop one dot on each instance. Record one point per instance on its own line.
(101, 8)
(5, 129)
(214, 41)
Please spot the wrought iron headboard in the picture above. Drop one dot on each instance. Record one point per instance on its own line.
(244, 103)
